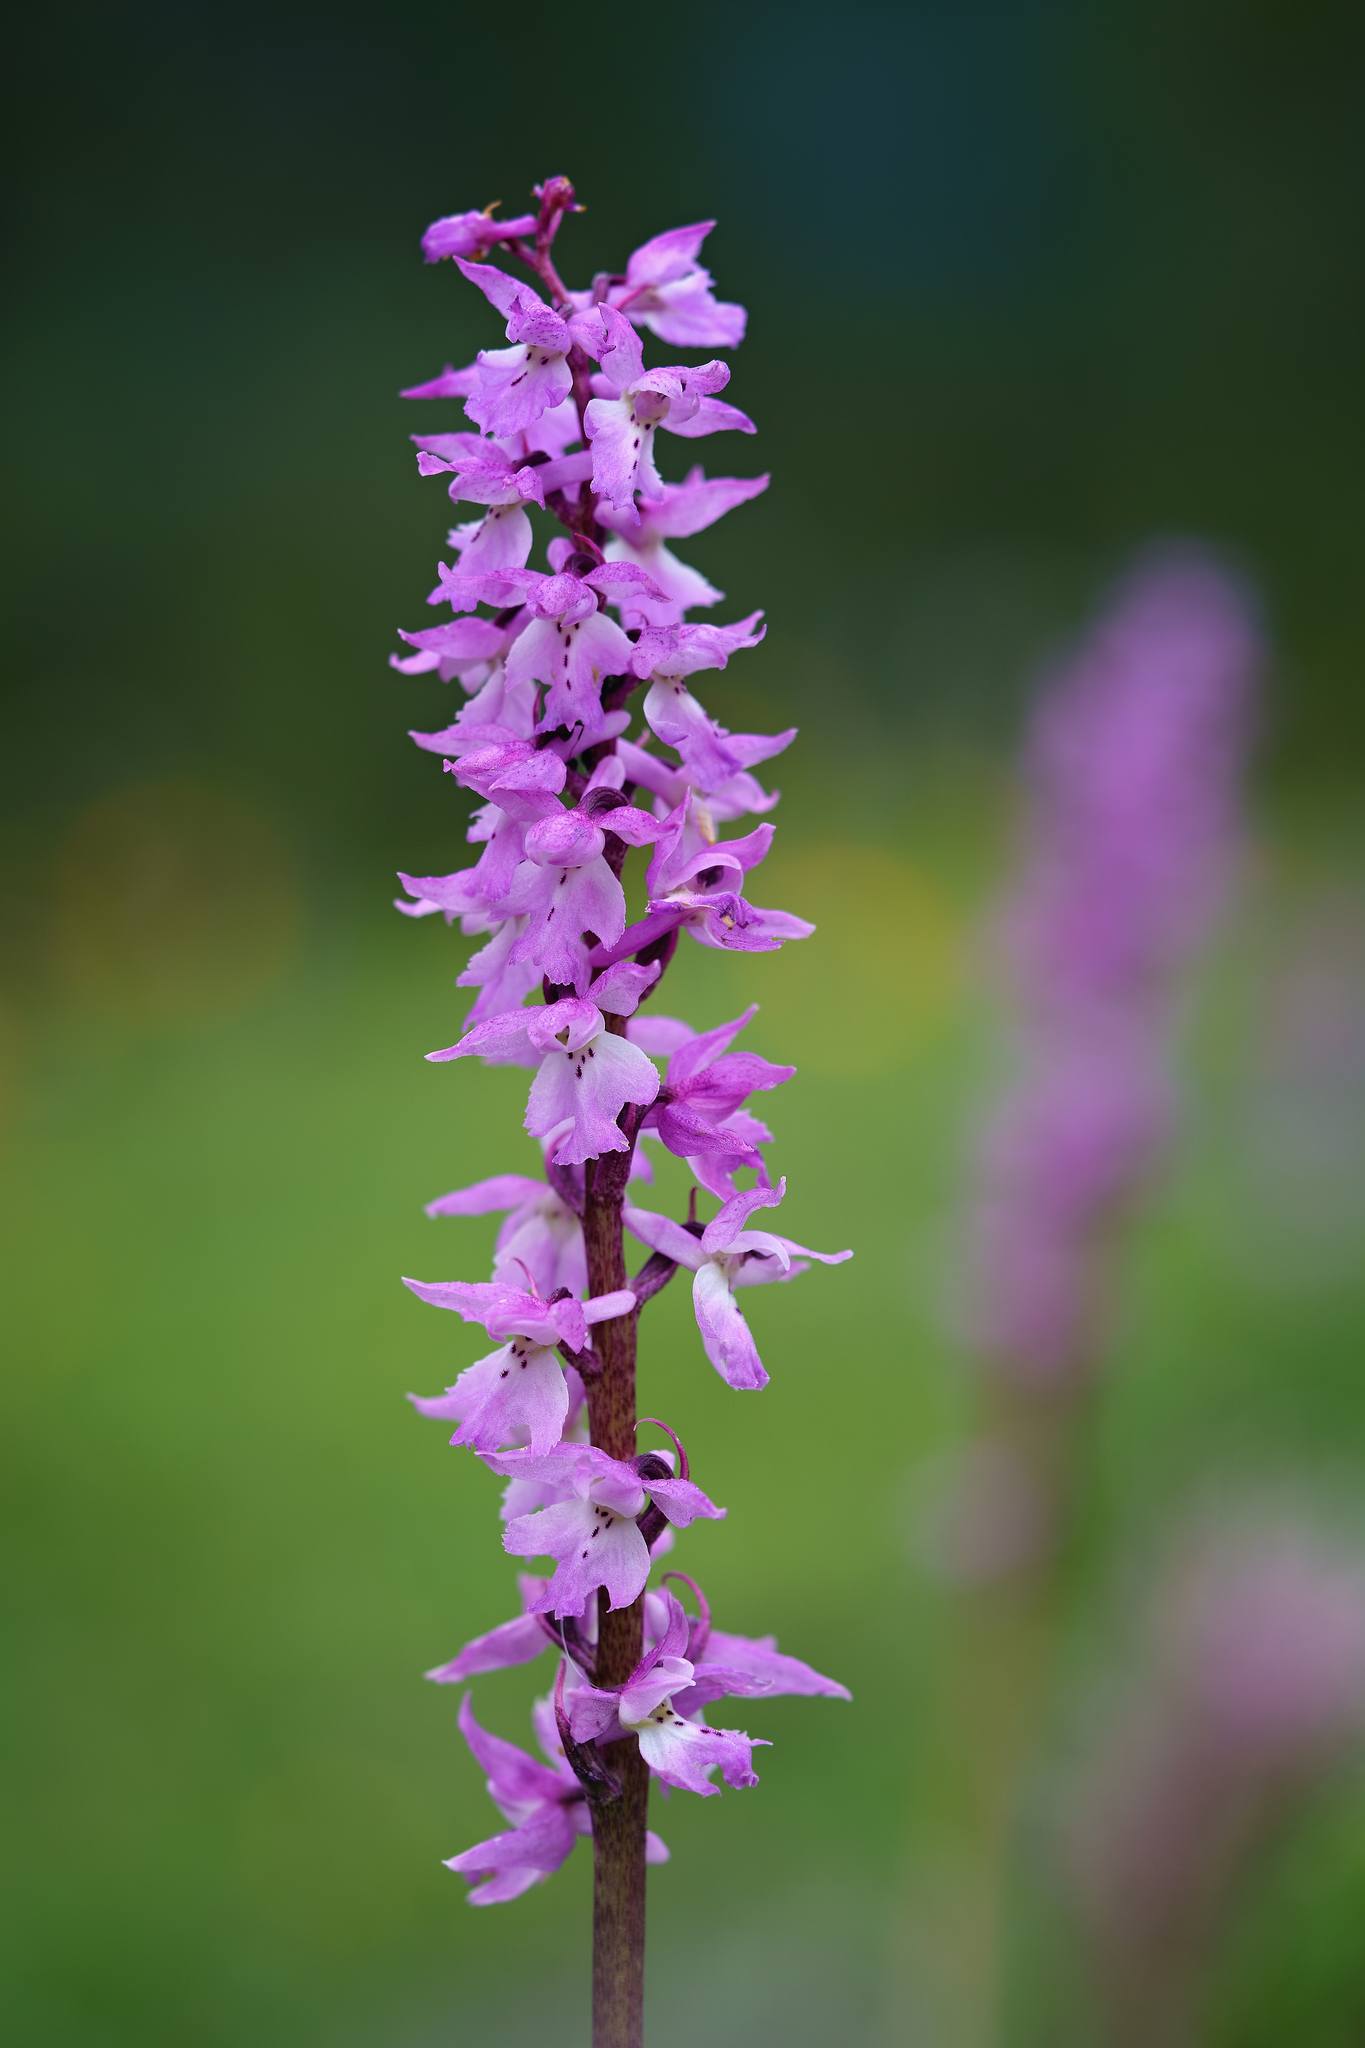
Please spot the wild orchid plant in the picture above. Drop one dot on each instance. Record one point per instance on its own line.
(1135, 769)
(565, 419)
(1133, 775)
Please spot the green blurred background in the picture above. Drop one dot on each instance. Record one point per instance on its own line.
(1027, 286)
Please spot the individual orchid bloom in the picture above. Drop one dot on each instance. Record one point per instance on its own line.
(681, 1751)
(724, 1256)
(482, 475)
(664, 656)
(473, 234)
(564, 886)
(540, 1234)
(567, 890)
(545, 1804)
(519, 1391)
(633, 403)
(694, 884)
(719, 1658)
(517, 384)
(640, 531)
(567, 642)
(586, 1073)
(567, 893)
(666, 289)
(704, 1086)
(590, 1525)
(699, 890)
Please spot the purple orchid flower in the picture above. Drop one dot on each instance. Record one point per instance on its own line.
(567, 642)
(518, 1392)
(472, 234)
(589, 1524)
(544, 1803)
(666, 290)
(587, 1074)
(552, 876)
(726, 1255)
(480, 474)
(693, 881)
(517, 384)
(658, 1705)
(532, 1632)
(705, 1086)
(633, 403)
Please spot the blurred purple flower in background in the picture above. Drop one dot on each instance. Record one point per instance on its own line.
(1134, 772)
(1249, 1688)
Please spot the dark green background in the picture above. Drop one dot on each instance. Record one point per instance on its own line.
(1028, 285)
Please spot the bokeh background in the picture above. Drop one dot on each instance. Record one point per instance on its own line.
(1028, 286)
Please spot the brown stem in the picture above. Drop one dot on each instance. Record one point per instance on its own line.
(618, 1825)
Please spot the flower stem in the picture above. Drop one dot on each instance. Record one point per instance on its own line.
(618, 1825)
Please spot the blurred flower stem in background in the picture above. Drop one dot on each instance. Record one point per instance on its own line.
(1133, 771)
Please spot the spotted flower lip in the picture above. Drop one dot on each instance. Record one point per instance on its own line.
(586, 1073)
(517, 1393)
(633, 402)
(589, 1524)
(657, 1706)
(517, 385)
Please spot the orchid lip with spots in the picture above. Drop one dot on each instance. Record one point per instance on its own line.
(583, 731)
